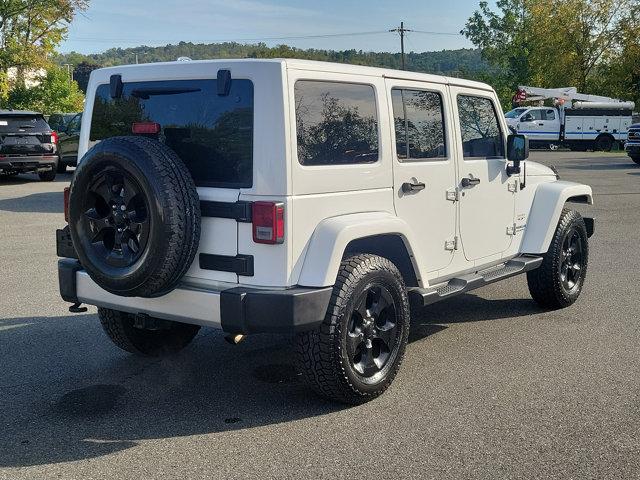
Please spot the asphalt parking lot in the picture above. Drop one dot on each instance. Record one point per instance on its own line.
(491, 386)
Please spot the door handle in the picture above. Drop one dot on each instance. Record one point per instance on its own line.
(470, 182)
(541, 124)
(412, 187)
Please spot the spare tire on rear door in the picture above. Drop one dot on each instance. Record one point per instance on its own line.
(134, 216)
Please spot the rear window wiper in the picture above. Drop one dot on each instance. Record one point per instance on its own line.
(145, 93)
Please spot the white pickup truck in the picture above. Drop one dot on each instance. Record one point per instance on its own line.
(594, 126)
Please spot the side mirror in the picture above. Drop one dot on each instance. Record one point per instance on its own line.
(517, 151)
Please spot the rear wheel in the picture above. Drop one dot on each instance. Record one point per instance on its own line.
(355, 354)
(557, 283)
(62, 167)
(167, 338)
(604, 143)
(48, 175)
(636, 159)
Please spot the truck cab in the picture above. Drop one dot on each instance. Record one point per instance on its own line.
(540, 124)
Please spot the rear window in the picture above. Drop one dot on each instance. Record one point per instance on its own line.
(212, 134)
(23, 124)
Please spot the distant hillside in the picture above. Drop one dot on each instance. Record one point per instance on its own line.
(463, 62)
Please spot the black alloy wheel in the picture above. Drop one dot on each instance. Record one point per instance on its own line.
(373, 333)
(355, 354)
(134, 216)
(116, 218)
(558, 281)
(571, 261)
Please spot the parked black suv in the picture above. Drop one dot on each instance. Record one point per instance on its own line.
(27, 144)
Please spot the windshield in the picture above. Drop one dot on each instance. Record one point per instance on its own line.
(23, 124)
(516, 112)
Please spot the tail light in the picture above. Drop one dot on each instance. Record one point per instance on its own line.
(268, 222)
(54, 138)
(145, 128)
(66, 204)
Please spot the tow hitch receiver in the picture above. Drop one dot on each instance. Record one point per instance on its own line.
(76, 308)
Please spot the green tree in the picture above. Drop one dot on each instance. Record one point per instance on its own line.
(504, 37)
(31, 29)
(55, 93)
(553, 43)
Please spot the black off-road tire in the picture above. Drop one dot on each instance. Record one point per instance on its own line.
(119, 327)
(546, 282)
(604, 143)
(48, 175)
(322, 354)
(172, 206)
(636, 159)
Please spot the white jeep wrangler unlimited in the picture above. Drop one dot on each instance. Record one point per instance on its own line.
(328, 201)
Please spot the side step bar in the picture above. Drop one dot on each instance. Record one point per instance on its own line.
(420, 297)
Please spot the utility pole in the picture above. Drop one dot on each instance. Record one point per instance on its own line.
(69, 72)
(401, 30)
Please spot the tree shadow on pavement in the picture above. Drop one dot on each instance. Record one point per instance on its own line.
(26, 178)
(46, 202)
(468, 308)
(602, 166)
(67, 394)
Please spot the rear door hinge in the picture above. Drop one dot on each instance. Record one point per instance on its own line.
(451, 244)
(512, 186)
(453, 194)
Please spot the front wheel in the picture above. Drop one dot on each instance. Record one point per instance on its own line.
(356, 352)
(557, 283)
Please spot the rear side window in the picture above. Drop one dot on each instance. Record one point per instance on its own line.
(549, 115)
(336, 123)
(23, 124)
(212, 134)
(480, 128)
(419, 124)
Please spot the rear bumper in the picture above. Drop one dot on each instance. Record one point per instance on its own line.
(235, 309)
(27, 162)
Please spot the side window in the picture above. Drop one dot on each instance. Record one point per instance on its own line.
(549, 115)
(480, 128)
(419, 124)
(336, 123)
(536, 114)
(74, 124)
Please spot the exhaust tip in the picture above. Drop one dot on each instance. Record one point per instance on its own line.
(234, 339)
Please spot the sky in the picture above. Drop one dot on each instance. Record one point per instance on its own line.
(130, 23)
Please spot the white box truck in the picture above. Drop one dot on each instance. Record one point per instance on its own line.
(576, 120)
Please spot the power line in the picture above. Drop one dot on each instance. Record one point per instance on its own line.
(435, 33)
(258, 39)
(254, 39)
